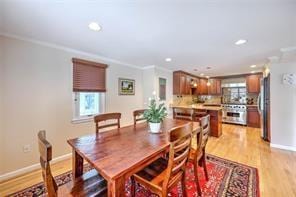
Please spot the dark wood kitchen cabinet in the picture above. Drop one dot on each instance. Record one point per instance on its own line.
(215, 87)
(215, 122)
(202, 88)
(188, 84)
(253, 117)
(179, 83)
(182, 83)
(253, 83)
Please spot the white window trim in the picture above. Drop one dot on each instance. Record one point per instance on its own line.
(85, 119)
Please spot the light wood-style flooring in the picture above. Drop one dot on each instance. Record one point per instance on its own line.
(277, 168)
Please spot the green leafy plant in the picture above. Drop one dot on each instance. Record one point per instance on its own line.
(155, 113)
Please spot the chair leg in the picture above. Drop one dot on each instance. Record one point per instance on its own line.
(184, 185)
(196, 178)
(133, 186)
(205, 165)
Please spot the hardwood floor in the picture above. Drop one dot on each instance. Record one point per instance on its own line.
(276, 167)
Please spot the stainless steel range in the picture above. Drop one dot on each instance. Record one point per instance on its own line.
(236, 114)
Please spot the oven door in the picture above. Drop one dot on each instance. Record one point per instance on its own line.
(237, 117)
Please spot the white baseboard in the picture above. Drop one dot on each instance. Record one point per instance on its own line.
(31, 168)
(290, 148)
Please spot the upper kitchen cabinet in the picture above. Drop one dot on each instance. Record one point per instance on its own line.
(182, 83)
(215, 87)
(253, 83)
(202, 88)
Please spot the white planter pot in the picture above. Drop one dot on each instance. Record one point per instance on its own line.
(154, 127)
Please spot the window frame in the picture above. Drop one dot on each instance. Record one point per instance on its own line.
(76, 118)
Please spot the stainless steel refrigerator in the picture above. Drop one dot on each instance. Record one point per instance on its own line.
(264, 107)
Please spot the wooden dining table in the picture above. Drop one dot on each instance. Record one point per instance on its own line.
(119, 153)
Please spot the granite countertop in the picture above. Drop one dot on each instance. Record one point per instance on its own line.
(197, 106)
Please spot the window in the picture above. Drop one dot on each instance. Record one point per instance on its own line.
(89, 87)
(162, 89)
(88, 104)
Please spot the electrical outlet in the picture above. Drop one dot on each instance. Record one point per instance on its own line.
(27, 148)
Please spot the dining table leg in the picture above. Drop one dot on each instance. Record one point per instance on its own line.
(77, 164)
(116, 187)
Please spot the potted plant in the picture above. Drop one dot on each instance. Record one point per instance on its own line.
(155, 115)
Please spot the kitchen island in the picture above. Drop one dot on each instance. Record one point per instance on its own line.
(215, 113)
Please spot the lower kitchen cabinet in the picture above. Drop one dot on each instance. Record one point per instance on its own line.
(253, 117)
(215, 122)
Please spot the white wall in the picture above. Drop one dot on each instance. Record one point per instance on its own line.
(38, 95)
(283, 107)
(151, 77)
(1, 105)
(149, 84)
(168, 75)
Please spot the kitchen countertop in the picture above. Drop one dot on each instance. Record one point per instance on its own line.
(197, 106)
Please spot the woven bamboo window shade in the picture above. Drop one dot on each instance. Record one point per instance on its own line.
(88, 76)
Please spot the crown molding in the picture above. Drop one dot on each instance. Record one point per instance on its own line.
(157, 67)
(67, 49)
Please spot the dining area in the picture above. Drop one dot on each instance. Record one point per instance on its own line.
(130, 155)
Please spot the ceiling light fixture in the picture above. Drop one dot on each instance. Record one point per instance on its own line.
(168, 59)
(253, 66)
(94, 26)
(253, 71)
(240, 42)
(202, 74)
(207, 77)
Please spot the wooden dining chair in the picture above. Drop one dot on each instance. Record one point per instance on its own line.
(183, 114)
(197, 151)
(199, 113)
(89, 184)
(163, 174)
(104, 117)
(138, 115)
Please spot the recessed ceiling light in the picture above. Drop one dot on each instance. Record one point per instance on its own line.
(253, 66)
(253, 71)
(94, 26)
(202, 74)
(241, 41)
(208, 77)
(168, 59)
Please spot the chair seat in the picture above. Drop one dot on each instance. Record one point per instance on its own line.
(155, 174)
(90, 183)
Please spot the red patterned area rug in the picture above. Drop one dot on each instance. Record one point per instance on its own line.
(226, 178)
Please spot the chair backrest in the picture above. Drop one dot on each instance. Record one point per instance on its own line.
(108, 116)
(45, 151)
(183, 114)
(138, 115)
(205, 130)
(180, 142)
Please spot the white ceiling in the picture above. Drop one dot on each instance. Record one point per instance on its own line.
(195, 34)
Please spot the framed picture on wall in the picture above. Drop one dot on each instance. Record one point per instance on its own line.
(126, 86)
(162, 89)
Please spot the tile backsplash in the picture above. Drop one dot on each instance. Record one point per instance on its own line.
(190, 99)
(182, 100)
